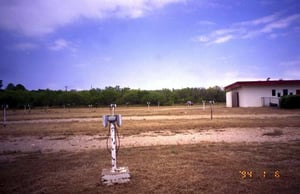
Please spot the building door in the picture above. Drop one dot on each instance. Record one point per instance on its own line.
(235, 99)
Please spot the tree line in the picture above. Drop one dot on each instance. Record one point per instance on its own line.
(17, 96)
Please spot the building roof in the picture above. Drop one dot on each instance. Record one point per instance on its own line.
(261, 83)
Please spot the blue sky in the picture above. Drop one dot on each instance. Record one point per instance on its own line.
(147, 44)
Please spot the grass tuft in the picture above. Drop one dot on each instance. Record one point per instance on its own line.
(274, 133)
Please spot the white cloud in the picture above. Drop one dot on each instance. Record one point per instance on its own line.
(201, 39)
(280, 24)
(35, 17)
(221, 32)
(259, 21)
(60, 44)
(223, 39)
(272, 26)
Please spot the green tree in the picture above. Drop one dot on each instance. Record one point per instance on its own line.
(20, 87)
(10, 86)
(96, 97)
(110, 95)
(131, 97)
(168, 97)
(153, 97)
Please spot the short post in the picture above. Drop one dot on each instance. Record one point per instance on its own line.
(203, 104)
(148, 103)
(29, 108)
(115, 174)
(5, 106)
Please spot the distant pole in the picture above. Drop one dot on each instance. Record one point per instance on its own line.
(211, 109)
(203, 104)
(4, 114)
(66, 88)
(211, 112)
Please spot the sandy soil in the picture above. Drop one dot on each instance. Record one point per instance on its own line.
(64, 152)
(85, 142)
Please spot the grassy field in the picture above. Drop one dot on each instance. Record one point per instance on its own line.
(206, 167)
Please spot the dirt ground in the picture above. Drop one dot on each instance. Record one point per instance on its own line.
(167, 149)
(77, 143)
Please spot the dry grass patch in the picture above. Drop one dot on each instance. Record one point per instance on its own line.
(201, 168)
(131, 127)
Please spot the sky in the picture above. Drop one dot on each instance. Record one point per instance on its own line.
(147, 44)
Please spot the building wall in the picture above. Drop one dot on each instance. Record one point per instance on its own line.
(252, 96)
(229, 99)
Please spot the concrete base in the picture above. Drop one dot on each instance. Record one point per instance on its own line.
(121, 175)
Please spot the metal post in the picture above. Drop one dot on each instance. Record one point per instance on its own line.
(211, 115)
(113, 148)
(203, 104)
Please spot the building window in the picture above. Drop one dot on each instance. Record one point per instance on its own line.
(278, 94)
(273, 92)
(285, 92)
(291, 93)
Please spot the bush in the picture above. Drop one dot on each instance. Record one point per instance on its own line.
(289, 102)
